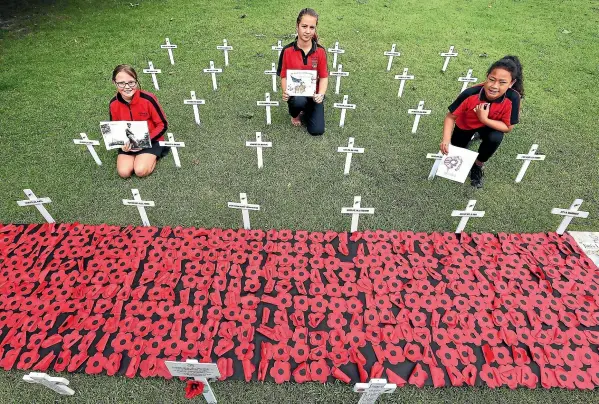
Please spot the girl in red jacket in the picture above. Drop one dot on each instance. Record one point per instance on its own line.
(131, 103)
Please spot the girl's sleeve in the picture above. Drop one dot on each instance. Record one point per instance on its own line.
(323, 71)
(514, 116)
(281, 68)
(459, 105)
(158, 118)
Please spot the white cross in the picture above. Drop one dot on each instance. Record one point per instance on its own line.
(569, 215)
(173, 145)
(339, 73)
(371, 391)
(418, 112)
(141, 206)
(403, 77)
(194, 103)
(200, 372)
(169, 47)
(527, 159)
(467, 79)
(391, 54)
(278, 47)
(90, 146)
(258, 144)
(58, 384)
(273, 73)
(335, 51)
(343, 106)
(153, 72)
(447, 56)
(245, 208)
(38, 203)
(437, 157)
(356, 211)
(350, 149)
(467, 214)
(213, 71)
(226, 48)
(267, 103)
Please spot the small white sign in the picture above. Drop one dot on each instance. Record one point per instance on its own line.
(225, 48)
(213, 71)
(419, 111)
(259, 144)
(356, 211)
(301, 83)
(194, 103)
(588, 242)
(349, 150)
(466, 215)
(153, 72)
(339, 73)
(447, 56)
(437, 157)
(402, 80)
(336, 51)
(456, 164)
(57, 384)
(267, 103)
(169, 47)
(90, 146)
(141, 206)
(466, 80)
(273, 73)
(531, 156)
(245, 208)
(372, 390)
(174, 146)
(392, 53)
(38, 203)
(569, 215)
(343, 106)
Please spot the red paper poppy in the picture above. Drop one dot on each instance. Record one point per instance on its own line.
(280, 371)
(319, 371)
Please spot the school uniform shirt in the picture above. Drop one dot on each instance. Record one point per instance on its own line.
(505, 108)
(293, 58)
(143, 107)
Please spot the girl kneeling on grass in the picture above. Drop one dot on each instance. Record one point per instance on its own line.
(306, 54)
(131, 103)
(490, 109)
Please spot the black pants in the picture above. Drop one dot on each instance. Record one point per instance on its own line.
(313, 113)
(491, 139)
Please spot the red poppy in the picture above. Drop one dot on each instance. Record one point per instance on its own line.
(418, 376)
(26, 361)
(301, 373)
(565, 379)
(319, 371)
(280, 371)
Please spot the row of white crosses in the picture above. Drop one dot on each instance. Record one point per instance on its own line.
(356, 210)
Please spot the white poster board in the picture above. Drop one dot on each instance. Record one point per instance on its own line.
(117, 134)
(301, 83)
(589, 243)
(456, 164)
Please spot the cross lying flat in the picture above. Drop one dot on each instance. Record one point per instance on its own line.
(372, 390)
(57, 384)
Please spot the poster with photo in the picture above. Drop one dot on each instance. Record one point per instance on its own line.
(301, 83)
(456, 164)
(117, 134)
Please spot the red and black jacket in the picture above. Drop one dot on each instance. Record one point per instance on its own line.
(293, 57)
(143, 107)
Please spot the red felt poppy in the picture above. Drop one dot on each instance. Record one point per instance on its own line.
(319, 371)
(280, 371)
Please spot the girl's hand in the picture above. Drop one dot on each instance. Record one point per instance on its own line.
(444, 146)
(126, 148)
(318, 98)
(482, 111)
(285, 96)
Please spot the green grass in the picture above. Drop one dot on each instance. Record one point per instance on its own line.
(56, 60)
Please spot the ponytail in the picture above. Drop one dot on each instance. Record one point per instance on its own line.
(511, 64)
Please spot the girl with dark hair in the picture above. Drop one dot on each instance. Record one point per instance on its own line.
(490, 109)
(306, 54)
(131, 103)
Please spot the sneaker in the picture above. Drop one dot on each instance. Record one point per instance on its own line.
(476, 176)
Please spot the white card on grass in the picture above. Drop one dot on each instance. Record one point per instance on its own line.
(456, 164)
(301, 83)
(117, 134)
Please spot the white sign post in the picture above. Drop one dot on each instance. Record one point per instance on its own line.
(467, 214)
(569, 215)
(339, 73)
(169, 47)
(258, 144)
(57, 384)
(267, 103)
(403, 77)
(467, 79)
(245, 208)
(349, 150)
(194, 103)
(200, 372)
(356, 211)
(225, 48)
(153, 72)
(343, 106)
(213, 71)
(391, 54)
(335, 51)
(371, 391)
(38, 203)
(279, 48)
(90, 146)
(141, 206)
(173, 145)
(527, 159)
(447, 56)
(418, 112)
(273, 73)
(437, 157)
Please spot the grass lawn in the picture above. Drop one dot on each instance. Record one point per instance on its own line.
(56, 59)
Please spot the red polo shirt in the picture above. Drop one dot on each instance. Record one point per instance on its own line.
(143, 107)
(294, 58)
(505, 108)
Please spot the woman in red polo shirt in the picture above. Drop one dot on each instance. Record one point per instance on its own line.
(490, 109)
(306, 54)
(131, 103)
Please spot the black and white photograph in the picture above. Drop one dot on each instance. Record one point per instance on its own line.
(117, 134)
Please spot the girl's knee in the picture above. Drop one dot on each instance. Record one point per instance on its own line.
(124, 172)
(143, 171)
(496, 137)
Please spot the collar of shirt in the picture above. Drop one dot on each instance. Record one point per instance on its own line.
(482, 96)
(311, 51)
(133, 100)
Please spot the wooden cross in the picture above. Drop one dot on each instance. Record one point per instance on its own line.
(169, 47)
(466, 215)
(200, 372)
(279, 48)
(467, 79)
(371, 391)
(343, 106)
(437, 157)
(391, 54)
(419, 111)
(213, 72)
(38, 203)
(356, 211)
(339, 73)
(90, 146)
(267, 103)
(194, 103)
(349, 150)
(259, 144)
(273, 72)
(141, 205)
(225, 48)
(569, 215)
(527, 159)
(335, 51)
(57, 384)
(447, 56)
(403, 77)
(245, 208)
(153, 72)
(174, 146)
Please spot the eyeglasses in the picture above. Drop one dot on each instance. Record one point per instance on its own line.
(123, 84)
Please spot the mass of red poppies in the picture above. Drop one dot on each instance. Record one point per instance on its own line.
(296, 306)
